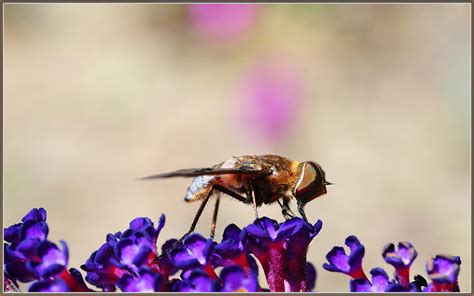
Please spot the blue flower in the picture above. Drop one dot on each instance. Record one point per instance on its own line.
(145, 281)
(194, 252)
(29, 256)
(130, 254)
(125, 253)
(17, 255)
(23, 240)
(142, 232)
(281, 249)
(33, 226)
(231, 251)
(196, 281)
(100, 270)
(130, 261)
(52, 260)
(401, 259)
(380, 283)
(57, 285)
(67, 281)
(348, 264)
(443, 270)
(235, 279)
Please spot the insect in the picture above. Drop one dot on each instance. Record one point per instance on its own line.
(256, 180)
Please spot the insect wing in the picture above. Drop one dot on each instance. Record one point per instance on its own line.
(247, 170)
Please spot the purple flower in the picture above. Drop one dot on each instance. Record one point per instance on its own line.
(137, 245)
(380, 283)
(67, 281)
(17, 255)
(281, 249)
(130, 261)
(194, 252)
(232, 279)
(348, 264)
(100, 270)
(270, 100)
(401, 259)
(301, 276)
(231, 244)
(124, 253)
(30, 256)
(311, 276)
(222, 23)
(145, 281)
(74, 280)
(57, 285)
(33, 226)
(165, 264)
(231, 251)
(130, 254)
(443, 270)
(236, 280)
(196, 281)
(52, 260)
(23, 240)
(142, 232)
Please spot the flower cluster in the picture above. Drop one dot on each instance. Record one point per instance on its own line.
(131, 262)
(31, 257)
(442, 270)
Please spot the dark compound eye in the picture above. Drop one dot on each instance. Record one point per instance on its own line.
(309, 176)
(311, 183)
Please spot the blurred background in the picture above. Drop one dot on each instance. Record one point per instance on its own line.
(97, 95)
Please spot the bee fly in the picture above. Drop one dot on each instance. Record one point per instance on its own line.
(255, 180)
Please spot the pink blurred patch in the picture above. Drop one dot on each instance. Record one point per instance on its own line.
(222, 22)
(270, 101)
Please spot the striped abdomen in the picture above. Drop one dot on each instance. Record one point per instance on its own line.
(199, 188)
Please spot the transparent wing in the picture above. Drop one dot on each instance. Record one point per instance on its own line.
(247, 170)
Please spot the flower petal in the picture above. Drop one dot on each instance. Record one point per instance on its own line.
(444, 268)
(379, 279)
(57, 285)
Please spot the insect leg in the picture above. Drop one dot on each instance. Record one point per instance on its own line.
(254, 201)
(230, 192)
(285, 210)
(191, 229)
(286, 204)
(198, 214)
(241, 198)
(214, 217)
(301, 210)
(250, 196)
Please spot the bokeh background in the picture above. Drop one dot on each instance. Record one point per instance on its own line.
(97, 95)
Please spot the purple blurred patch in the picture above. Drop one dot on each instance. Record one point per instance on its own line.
(222, 22)
(270, 100)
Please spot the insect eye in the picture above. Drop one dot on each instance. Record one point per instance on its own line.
(308, 176)
(311, 183)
